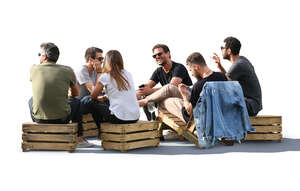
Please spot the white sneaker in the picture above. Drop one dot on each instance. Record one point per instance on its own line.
(84, 145)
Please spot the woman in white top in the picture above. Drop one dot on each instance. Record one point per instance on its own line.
(120, 90)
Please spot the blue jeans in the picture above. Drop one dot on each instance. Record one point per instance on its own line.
(74, 115)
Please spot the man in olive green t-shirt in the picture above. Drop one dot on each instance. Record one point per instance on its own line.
(50, 85)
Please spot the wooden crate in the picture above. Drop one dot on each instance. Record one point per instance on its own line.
(89, 127)
(125, 137)
(185, 130)
(266, 128)
(37, 136)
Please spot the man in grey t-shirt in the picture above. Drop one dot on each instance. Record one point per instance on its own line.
(88, 74)
(242, 71)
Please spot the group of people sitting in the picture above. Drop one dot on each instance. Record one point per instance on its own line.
(105, 89)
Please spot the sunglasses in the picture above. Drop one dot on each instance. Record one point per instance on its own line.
(99, 58)
(158, 54)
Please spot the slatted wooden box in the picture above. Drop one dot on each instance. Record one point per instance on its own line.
(37, 136)
(125, 137)
(266, 128)
(89, 127)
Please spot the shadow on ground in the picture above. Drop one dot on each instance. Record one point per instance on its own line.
(186, 148)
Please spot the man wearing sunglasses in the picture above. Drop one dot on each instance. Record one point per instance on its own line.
(87, 76)
(242, 71)
(88, 73)
(50, 85)
(168, 72)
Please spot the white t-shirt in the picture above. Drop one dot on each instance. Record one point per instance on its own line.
(123, 104)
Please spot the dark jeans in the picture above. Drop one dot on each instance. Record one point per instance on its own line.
(101, 113)
(87, 106)
(74, 115)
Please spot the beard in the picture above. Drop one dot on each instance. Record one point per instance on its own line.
(226, 56)
(162, 63)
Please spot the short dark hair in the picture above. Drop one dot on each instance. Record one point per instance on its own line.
(163, 46)
(196, 58)
(91, 53)
(234, 44)
(51, 51)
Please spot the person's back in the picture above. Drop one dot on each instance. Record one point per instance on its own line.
(50, 84)
(123, 103)
(243, 71)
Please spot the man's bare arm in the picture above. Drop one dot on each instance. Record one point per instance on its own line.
(74, 91)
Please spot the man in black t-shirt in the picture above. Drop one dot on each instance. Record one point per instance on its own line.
(177, 100)
(169, 72)
(242, 71)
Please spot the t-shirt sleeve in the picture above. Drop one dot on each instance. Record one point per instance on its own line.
(104, 79)
(72, 78)
(195, 94)
(235, 71)
(31, 70)
(154, 76)
(83, 76)
(180, 72)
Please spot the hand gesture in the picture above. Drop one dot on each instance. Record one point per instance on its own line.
(97, 67)
(216, 58)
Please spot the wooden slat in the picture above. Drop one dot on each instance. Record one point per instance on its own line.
(266, 120)
(87, 118)
(89, 125)
(267, 129)
(49, 128)
(132, 145)
(172, 125)
(90, 133)
(253, 137)
(67, 138)
(127, 128)
(49, 146)
(165, 119)
(129, 137)
(190, 137)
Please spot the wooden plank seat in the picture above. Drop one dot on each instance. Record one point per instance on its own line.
(37, 136)
(267, 127)
(168, 120)
(89, 127)
(125, 137)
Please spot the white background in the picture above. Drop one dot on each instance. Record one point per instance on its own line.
(269, 33)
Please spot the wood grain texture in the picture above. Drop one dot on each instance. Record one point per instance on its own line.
(67, 138)
(127, 128)
(90, 133)
(131, 145)
(32, 127)
(89, 125)
(48, 146)
(266, 120)
(129, 137)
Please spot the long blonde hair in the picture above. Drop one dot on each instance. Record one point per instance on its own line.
(113, 64)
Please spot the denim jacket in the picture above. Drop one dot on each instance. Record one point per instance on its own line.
(221, 112)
